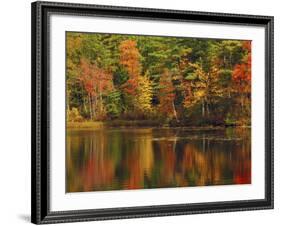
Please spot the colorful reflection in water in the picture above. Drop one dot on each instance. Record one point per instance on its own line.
(137, 158)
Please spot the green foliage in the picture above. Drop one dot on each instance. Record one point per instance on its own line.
(120, 76)
(176, 80)
(113, 104)
(229, 120)
(225, 76)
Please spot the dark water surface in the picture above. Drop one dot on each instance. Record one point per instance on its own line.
(136, 158)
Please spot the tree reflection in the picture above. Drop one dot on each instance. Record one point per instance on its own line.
(156, 158)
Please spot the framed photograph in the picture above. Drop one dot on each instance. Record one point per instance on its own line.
(149, 112)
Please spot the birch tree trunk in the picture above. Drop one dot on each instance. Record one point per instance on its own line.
(175, 112)
(203, 108)
(90, 106)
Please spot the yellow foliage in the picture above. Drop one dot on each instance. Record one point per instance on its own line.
(73, 115)
(144, 94)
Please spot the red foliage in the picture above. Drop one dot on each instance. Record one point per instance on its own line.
(242, 172)
(94, 79)
(242, 72)
(130, 86)
(247, 45)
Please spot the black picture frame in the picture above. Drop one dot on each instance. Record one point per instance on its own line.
(40, 211)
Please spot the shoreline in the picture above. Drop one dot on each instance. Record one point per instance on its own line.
(90, 125)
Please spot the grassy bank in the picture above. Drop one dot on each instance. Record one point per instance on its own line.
(134, 123)
(85, 125)
(114, 123)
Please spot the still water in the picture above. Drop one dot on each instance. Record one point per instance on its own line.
(137, 158)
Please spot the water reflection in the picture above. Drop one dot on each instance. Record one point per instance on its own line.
(154, 158)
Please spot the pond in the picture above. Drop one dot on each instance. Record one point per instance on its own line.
(138, 158)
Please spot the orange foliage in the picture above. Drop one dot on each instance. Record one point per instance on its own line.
(130, 59)
(166, 94)
(130, 87)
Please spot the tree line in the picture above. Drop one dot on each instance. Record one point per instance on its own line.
(173, 80)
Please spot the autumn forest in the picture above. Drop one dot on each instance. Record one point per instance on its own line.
(158, 81)
(156, 112)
